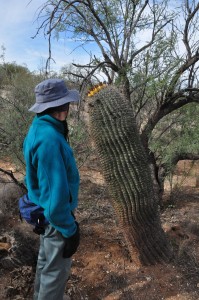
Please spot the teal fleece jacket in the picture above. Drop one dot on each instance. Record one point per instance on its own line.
(52, 176)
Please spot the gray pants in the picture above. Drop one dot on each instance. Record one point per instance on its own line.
(52, 269)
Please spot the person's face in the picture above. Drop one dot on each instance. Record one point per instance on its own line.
(61, 115)
(64, 114)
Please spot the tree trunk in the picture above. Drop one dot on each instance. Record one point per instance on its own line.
(158, 177)
(126, 171)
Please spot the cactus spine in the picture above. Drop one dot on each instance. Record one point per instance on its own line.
(126, 171)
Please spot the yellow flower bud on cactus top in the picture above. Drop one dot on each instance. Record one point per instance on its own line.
(96, 89)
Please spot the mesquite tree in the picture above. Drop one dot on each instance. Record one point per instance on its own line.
(149, 49)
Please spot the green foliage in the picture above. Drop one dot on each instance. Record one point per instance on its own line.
(176, 134)
(10, 70)
(16, 96)
(152, 75)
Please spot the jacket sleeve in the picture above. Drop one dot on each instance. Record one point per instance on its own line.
(54, 189)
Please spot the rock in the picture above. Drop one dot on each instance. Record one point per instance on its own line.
(5, 246)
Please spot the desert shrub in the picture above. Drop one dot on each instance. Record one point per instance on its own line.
(9, 195)
(16, 96)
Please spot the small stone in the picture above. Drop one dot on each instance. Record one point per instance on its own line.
(148, 278)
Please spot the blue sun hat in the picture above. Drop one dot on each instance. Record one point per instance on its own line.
(52, 93)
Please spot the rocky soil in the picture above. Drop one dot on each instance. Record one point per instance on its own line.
(102, 268)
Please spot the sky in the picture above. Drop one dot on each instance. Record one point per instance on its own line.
(18, 24)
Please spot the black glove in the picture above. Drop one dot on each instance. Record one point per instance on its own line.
(39, 229)
(72, 243)
(40, 220)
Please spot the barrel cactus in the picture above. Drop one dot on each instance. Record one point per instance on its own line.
(127, 174)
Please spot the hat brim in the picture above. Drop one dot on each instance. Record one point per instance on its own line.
(72, 96)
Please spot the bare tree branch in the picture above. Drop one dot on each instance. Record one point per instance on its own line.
(186, 29)
(189, 63)
(167, 108)
(11, 175)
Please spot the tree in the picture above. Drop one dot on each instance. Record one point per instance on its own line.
(158, 75)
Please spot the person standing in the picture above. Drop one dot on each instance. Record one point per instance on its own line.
(52, 180)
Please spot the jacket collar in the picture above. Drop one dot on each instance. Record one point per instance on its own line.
(49, 120)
